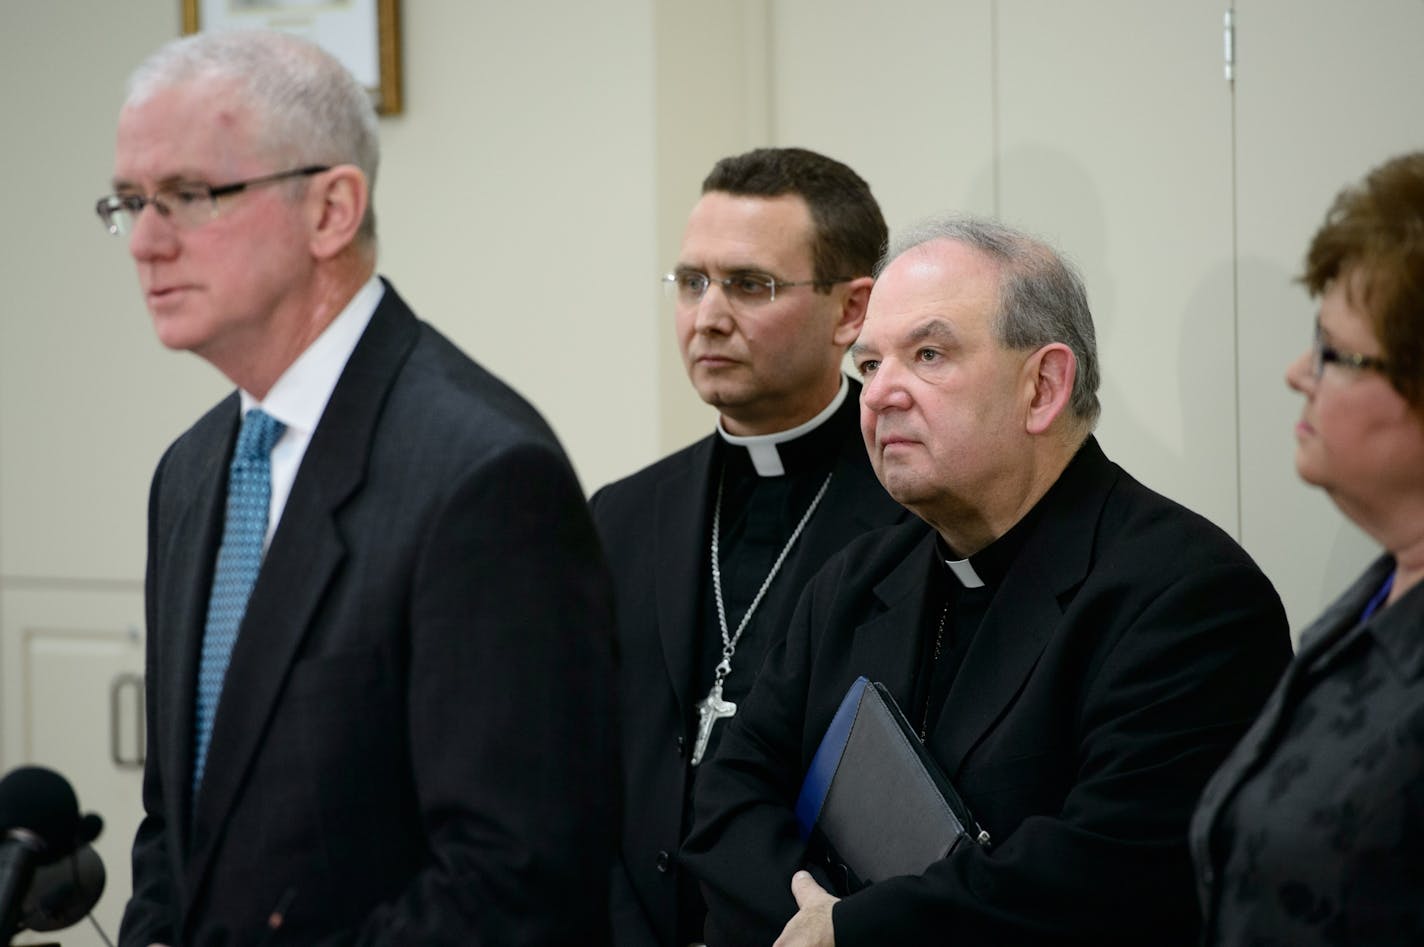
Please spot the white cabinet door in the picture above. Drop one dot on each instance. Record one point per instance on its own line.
(72, 665)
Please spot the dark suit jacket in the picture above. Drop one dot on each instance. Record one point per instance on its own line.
(1312, 831)
(414, 738)
(655, 527)
(1127, 647)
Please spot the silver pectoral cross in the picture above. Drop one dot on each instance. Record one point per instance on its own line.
(709, 710)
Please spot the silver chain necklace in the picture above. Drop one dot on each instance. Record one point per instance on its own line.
(712, 707)
(934, 661)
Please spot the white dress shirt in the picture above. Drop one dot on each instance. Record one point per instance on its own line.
(299, 397)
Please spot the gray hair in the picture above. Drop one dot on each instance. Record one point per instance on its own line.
(311, 110)
(1041, 295)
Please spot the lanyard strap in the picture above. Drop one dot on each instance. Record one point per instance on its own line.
(1378, 599)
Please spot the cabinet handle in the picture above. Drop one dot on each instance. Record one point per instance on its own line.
(117, 686)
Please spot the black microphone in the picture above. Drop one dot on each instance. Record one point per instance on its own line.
(19, 856)
(39, 824)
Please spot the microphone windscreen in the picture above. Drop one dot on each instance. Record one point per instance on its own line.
(41, 801)
(90, 825)
(62, 893)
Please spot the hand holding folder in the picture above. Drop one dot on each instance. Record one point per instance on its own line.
(876, 798)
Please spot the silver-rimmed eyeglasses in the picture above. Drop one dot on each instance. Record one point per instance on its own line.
(1321, 353)
(742, 289)
(185, 204)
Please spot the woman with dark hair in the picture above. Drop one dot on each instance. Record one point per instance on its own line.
(1312, 831)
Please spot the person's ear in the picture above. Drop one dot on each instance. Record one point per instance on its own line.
(337, 201)
(1048, 378)
(852, 314)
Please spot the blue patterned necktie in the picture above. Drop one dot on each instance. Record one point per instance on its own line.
(249, 491)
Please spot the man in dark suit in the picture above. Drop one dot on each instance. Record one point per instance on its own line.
(392, 726)
(711, 546)
(1076, 651)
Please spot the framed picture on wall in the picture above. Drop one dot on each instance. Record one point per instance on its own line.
(363, 34)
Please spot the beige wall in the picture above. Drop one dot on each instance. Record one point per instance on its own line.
(538, 181)
(517, 214)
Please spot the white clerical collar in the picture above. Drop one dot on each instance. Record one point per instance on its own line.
(963, 570)
(766, 458)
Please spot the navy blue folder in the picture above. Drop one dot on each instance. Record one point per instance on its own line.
(875, 798)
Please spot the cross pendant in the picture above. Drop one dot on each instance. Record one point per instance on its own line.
(709, 710)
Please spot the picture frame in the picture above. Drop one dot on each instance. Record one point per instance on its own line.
(363, 34)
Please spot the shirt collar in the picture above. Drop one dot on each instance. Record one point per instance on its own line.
(989, 565)
(963, 570)
(1398, 633)
(763, 448)
(300, 395)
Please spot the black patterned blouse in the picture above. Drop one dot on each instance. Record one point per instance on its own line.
(1312, 831)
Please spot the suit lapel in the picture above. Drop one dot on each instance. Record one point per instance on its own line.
(679, 564)
(1026, 610)
(1322, 636)
(886, 649)
(1015, 631)
(305, 554)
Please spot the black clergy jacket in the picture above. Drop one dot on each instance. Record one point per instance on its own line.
(1127, 648)
(415, 738)
(655, 526)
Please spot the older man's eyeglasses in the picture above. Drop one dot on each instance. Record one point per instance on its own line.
(184, 204)
(1322, 353)
(744, 289)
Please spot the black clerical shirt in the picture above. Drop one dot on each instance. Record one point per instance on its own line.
(962, 608)
(759, 514)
